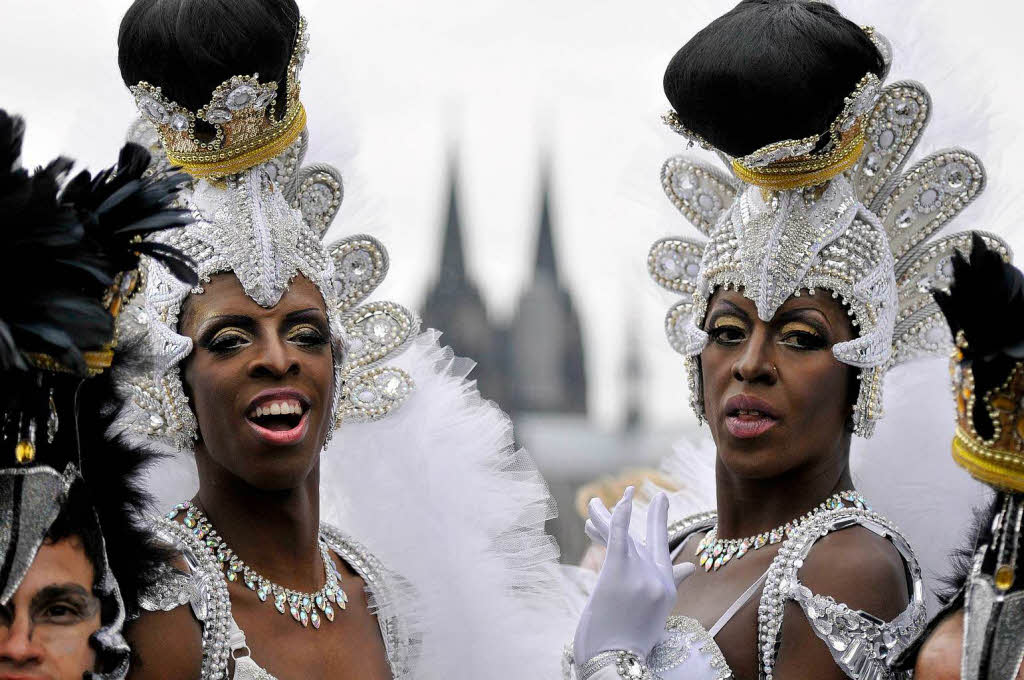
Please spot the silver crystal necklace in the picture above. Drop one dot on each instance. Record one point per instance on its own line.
(716, 552)
(305, 608)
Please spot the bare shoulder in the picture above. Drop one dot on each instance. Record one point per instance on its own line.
(166, 644)
(939, 658)
(855, 567)
(860, 569)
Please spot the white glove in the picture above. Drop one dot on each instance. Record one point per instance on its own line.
(636, 589)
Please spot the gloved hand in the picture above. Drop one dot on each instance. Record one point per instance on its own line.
(636, 589)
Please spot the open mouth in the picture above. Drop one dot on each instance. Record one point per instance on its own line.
(279, 421)
(278, 415)
(748, 416)
(748, 423)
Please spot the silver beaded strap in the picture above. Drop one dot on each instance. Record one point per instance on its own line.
(628, 665)
(862, 646)
(208, 594)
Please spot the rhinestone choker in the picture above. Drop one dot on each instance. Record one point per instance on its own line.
(717, 552)
(305, 608)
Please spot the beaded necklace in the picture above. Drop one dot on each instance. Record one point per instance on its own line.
(717, 552)
(305, 608)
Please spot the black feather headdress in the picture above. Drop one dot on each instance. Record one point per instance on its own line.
(985, 302)
(64, 245)
(71, 248)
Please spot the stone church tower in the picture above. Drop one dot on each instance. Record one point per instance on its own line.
(454, 306)
(543, 343)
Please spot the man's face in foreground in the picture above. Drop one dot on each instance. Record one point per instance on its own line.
(45, 627)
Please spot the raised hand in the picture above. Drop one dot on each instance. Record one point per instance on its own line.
(636, 589)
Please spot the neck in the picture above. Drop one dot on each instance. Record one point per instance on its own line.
(747, 506)
(274, 532)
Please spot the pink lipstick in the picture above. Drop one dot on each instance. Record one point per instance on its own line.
(747, 417)
(279, 417)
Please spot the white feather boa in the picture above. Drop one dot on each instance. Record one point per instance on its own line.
(438, 492)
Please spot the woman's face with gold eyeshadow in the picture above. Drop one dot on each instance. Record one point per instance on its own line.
(261, 380)
(775, 396)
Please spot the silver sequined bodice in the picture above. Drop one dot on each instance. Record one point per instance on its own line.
(861, 645)
(204, 588)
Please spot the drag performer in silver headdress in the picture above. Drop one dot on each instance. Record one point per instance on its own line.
(71, 552)
(814, 280)
(434, 563)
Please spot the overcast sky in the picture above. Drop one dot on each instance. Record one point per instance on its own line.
(391, 86)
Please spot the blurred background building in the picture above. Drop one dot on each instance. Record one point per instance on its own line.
(533, 364)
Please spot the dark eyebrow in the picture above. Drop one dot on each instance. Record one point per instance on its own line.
(731, 308)
(56, 591)
(226, 320)
(305, 313)
(802, 313)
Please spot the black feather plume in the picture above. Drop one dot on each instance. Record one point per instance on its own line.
(65, 242)
(986, 302)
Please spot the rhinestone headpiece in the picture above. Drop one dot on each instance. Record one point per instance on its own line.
(242, 112)
(863, 236)
(265, 225)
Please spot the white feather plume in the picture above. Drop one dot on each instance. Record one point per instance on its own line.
(438, 492)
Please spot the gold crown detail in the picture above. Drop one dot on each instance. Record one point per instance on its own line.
(998, 460)
(242, 113)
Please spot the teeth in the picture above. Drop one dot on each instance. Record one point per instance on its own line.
(277, 408)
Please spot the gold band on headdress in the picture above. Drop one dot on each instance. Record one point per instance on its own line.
(242, 114)
(1001, 469)
(233, 160)
(96, 361)
(786, 176)
(998, 460)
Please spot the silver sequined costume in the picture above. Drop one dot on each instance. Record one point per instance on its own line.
(865, 236)
(205, 590)
(862, 646)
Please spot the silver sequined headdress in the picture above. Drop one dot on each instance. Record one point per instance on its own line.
(265, 225)
(865, 236)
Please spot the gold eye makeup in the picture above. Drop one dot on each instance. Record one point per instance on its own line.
(308, 335)
(727, 328)
(802, 335)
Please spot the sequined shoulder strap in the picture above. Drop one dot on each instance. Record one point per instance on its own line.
(203, 587)
(861, 645)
